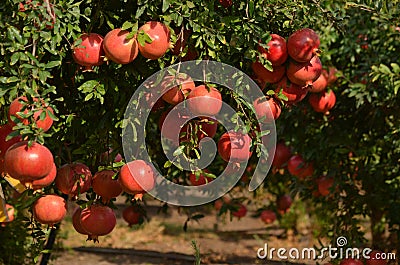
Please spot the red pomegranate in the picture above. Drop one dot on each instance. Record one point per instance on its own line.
(176, 88)
(304, 74)
(5, 130)
(88, 50)
(298, 167)
(170, 129)
(133, 215)
(267, 109)
(376, 257)
(201, 179)
(119, 49)
(76, 221)
(332, 77)
(98, 220)
(137, 177)
(240, 210)
(323, 102)
(303, 44)
(351, 262)
(234, 146)
(105, 185)
(284, 202)
(27, 163)
(38, 184)
(268, 216)
(205, 101)
(324, 184)
(267, 76)
(16, 106)
(282, 155)
(49, 209)
(73, 179)
(321, 83)
(293, 92)
(160, 36)
(277, 51)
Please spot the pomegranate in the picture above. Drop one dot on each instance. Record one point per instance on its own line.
(133, 215)
(293, 92)
(376, 257)
(226, 3)
(119, 49)
(267, 109)
(98, 220)
(267, 76)
(220, 202)
(38, 184)
(320, 84)
(304, 74)
(177, 119)
(89, 52)
(160, 36)
(239, 211)
(282, 155)
(5, 130)
(27, 163)
(73, 179)
(351, 262)
(16, 106)
(205, 101)
(176, 88)
(299, 168)
(323, 102)
(277, 51)
(202, 179)
(49, 209)
(332, 77)
(137, 177)
(104, 185)
(303, 44)
(268, 216)
(284, 202)
(324, 184)
(76, 221)
(234, 147)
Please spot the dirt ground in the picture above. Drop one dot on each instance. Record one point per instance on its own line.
(163, 241)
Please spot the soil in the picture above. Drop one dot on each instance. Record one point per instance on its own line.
(162, 239)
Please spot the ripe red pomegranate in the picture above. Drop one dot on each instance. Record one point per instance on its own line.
(298, 167)
(277, 51)
(49, 209)
(324, 184)
(284, 202)
(118, 49)
(176, 88)
(226, 3)
(5, 130)
(98, 220)
(73, 179)
(27, 163)
(323, 102)
(321, 83)
(177, 119)
(293, 92)
(220, 202)
(304, 74)
(241, 210)
(351, 262)
(135, 172)
(267, 109)
(76, 221)
(376, 257)
(38, 184)
(332, 77)
(202, 179)
(160, 36)
(88, 50)
(205, 101)
(234, 146)
(303, 44)
(16, 106)
(133, 215)
(105, 186)
(265, 75)
(268, 216)
(282, 155)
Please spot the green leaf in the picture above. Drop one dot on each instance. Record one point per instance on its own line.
(88, 86)
(127, 25)
(12, 79)
(14, 58)
(190, 4)
(165, 5)
(52, 64)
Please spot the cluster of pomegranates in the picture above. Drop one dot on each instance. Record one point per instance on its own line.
(296, 70)
(91, 49)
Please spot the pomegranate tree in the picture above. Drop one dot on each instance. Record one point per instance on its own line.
(303, 44)
(97, 220)
(88, 50)
(118, 48)
(49, 209)
(160, 40)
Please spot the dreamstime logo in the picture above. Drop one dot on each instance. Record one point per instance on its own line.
(138, 111)
(340, 251)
